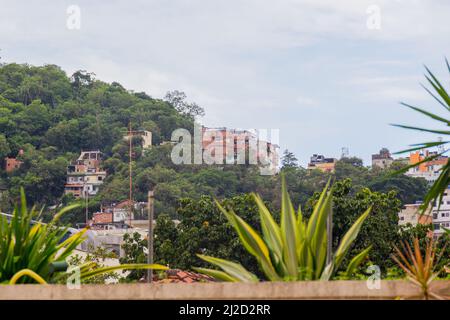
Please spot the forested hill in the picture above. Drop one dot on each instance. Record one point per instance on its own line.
(44, 107)
(52, 116)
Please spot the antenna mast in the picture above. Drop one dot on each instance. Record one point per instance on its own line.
(344, 152)
(440, 147)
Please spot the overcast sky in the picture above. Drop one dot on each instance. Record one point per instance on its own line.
(310, 68)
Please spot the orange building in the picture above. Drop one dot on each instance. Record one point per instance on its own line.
(429, 170)
(318, 161)
(418, 156)
(12, 164)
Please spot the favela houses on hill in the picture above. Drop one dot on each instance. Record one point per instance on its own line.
(240, 152)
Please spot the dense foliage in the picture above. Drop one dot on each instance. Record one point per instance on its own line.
(203, 229)
(52, 117)
(293, 249)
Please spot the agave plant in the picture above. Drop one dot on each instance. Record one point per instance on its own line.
(420, 270)
(31, 251)
(293, 250)
(441, 95)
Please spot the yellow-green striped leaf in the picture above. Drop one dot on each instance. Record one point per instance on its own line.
(234, 270)
(349, 237)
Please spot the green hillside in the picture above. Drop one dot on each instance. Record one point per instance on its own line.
(53, 116)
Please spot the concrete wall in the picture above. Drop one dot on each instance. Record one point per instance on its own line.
(263, 290)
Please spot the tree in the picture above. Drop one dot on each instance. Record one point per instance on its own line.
(381, 230)
(354, 161)
(178, 100)
(133, 246)
(82, 78)
(166, 240)
(66, 135)
(43, 179)
(346, 168)
(4, 147)
(409, 189)
(289, 160)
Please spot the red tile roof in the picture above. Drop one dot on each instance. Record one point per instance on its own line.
(180, 276)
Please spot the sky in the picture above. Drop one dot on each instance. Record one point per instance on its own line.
(326, 74)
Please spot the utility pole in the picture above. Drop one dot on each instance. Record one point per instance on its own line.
(130, 135)
(86, 195)
(150, 206)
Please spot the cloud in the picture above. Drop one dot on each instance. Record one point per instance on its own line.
(305, 101)
(296, 65)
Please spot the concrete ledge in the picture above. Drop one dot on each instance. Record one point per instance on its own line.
(218, 291)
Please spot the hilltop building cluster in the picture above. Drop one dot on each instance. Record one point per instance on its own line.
(429, 170)
(438, 216)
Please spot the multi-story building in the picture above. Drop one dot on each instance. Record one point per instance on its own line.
(84, 176)
(429, 170)
(411, 214)
(318, 161)
(239, 147)
(383, 159)
(441, 215)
